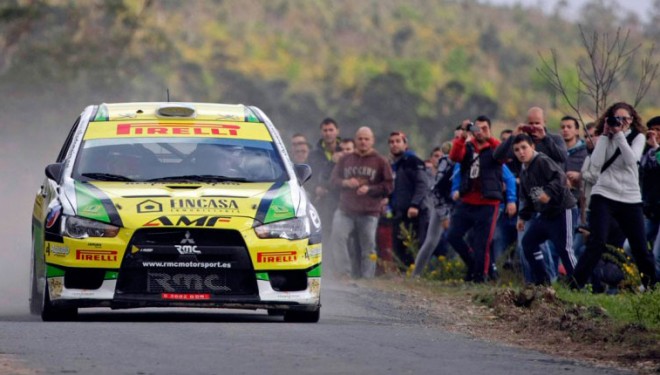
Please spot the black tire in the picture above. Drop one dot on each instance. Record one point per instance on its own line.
(50, 313)
(275, 312)
(293, 316)
(35, 298)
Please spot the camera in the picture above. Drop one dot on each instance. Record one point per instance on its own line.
(529, 129)
(613, 122)
(471, 127)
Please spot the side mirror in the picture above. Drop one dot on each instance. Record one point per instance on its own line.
(303, 172)
(54, 171)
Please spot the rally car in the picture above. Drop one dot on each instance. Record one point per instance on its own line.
(175, 205)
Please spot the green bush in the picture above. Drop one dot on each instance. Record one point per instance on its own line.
(629, 307)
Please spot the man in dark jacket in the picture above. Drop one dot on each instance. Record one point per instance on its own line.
(577, 152)
(322, 160)
(546, 203)
(480, 194)
(408, 200)
(550, 144)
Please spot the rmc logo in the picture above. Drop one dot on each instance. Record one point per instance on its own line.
(191, 248)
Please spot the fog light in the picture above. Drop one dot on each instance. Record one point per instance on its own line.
(288, 281)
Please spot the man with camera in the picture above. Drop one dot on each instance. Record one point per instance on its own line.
(552, 145)
(480, 194)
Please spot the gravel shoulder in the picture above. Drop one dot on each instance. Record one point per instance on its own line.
(547, 324)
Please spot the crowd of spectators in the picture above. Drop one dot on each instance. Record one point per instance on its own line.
(548, 205)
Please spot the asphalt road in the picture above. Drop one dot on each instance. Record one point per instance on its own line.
(360, 332)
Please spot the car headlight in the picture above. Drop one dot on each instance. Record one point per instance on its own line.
(293, 229)
(77, 227)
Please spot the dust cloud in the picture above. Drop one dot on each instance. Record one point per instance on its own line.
(28, 142)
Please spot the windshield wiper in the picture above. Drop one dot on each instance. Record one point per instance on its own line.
(106, 177)
(198, 178)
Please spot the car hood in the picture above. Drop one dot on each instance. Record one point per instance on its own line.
(131, 204)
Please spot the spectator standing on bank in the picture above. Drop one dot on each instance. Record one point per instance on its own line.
(616, 197)
(300, 153)
(439, 214)
(588, 177)
(297, 139)
(322, 160)
(347, 146)
(408, 200)
(505, 229)
(550, 144)
(432, 162)
(546, 204)
(577, 152)
(509, 210)
(480, 195)
(650, 172)
(364, 178)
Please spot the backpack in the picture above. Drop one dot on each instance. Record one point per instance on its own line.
(442, 187)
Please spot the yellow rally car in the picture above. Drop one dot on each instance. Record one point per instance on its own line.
(175, 204)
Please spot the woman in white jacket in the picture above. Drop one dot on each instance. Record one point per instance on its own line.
(616, 196)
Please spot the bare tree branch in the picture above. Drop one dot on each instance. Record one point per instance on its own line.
(551, 75)
(608, 57)
(649, 72)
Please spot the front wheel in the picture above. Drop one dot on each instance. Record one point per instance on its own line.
(294, 316)
(50, 313)
(35, 297)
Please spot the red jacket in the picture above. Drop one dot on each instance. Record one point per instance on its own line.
(457, 154)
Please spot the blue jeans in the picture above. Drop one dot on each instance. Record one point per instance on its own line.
(579, 244)
(433, 235)
(505, 235)
(653, 236)
(656, 254)
(365, 226)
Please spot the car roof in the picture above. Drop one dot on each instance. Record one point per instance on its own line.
(175, 110)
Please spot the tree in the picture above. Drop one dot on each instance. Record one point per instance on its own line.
(608, 58)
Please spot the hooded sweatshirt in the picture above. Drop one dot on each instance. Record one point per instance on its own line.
(372, 170)
(542, 174)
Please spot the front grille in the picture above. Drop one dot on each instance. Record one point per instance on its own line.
(181, 260)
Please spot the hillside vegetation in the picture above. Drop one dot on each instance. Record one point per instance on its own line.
(415, 65)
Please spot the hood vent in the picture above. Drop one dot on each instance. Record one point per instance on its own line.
(184, 187)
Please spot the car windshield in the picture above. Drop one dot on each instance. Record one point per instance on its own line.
(178, 159)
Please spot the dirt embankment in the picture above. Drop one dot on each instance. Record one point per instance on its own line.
(533, 318)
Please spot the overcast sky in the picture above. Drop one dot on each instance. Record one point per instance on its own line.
(641, 7)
